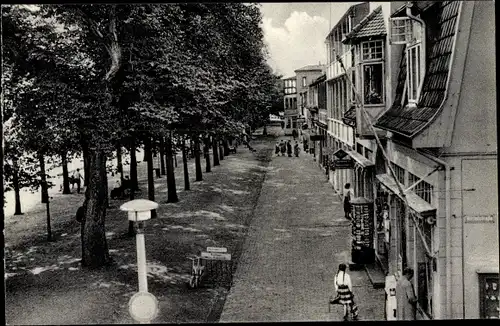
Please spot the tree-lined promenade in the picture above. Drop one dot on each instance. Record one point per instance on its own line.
(94, 80)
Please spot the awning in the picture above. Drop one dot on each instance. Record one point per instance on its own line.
(415, 202)
(360, 159)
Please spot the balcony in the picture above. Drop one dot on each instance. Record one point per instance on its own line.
(335, 70)
(291, 112)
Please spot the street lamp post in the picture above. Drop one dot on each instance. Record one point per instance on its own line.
(143, 306)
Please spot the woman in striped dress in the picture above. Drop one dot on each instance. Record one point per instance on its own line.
(344, 292)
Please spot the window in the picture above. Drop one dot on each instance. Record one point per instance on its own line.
(304, 81)
(372, 50)
(488, 296)
(415, 57)
(400, 30)
(422, 189)
(399, 172)
(359, 148)
(373, 83)
(404, 30)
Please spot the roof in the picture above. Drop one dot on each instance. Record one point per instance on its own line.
(292, 77)
(349, 11)
(371, 25)
(349, 117)
(311, 67)
(409, 121)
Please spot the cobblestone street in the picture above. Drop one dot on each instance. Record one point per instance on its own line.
(296, 241)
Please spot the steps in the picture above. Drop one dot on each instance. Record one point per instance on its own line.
(376, 275)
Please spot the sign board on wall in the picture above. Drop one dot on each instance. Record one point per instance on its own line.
(480, 219)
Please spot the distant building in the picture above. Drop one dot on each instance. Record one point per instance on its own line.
(305, 76)
(290, 100)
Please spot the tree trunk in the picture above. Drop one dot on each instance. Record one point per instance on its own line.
(206, 153)
(151, 182)
(264, 132)
(221, 151)
(131, 229)
(64, 158)
(215, 150)
(86, 166)
(185, 165)
(162, 155)
(43, 178)
(192, 147)
(49, 227)
(197, 159)
(94, 245)
(171, 187)
(175, 158)
(119, 161)
(226, 147)
(17, 189)
(133, 168)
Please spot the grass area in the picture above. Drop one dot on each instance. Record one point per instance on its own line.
(46, 285)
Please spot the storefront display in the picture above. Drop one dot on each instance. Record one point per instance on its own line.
(490, 308)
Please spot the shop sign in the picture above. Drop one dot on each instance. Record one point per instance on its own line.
(343, 164)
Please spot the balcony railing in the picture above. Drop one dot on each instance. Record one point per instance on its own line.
(335, 69)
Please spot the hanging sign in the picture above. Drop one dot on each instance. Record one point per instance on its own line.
(342, 160)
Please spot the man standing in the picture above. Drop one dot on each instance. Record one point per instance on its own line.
(348, 194)
(77, 177)
(405, 297)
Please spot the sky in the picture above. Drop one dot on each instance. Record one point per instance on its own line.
(295, 32)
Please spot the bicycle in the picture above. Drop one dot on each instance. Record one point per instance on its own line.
(197, 271)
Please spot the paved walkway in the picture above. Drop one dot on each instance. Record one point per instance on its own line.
(297, 239)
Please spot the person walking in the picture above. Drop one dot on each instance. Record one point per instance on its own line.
(289, 149)
(277, 149)
(345, 296)
(348, 194)
(296, 149)
(405, 297)
(77, 177)
(294, 134)
(283, 148)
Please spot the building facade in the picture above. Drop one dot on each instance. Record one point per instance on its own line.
(426, 86)
(317, 123)
(340, 93)
(290, 104)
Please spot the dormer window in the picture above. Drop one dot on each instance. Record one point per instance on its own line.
(411, 32)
